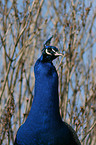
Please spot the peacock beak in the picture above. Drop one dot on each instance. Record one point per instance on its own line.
(58, 53)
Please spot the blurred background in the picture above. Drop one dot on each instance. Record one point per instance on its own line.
(24, 26)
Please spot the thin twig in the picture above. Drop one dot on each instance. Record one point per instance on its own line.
(91, 128)
(3, 88)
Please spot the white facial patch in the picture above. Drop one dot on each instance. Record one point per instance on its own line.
(56, 53)
(53, 50)
(48, 52)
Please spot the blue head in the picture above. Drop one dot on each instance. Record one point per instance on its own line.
(49, 53)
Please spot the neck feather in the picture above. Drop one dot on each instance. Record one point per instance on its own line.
(46, 102)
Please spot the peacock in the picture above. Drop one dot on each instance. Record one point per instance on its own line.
(44, 125)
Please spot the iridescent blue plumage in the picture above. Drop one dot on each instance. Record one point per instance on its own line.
(43, 125)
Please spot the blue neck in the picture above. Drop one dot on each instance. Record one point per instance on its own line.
(45, 105)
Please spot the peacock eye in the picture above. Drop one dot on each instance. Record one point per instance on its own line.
(49, 50)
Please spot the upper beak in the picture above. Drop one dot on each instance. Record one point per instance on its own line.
(58, 54)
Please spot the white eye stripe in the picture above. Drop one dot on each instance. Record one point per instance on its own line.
(55, 53)
(53, 50)
(48, 52)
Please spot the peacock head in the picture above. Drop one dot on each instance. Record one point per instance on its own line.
(49, 53)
